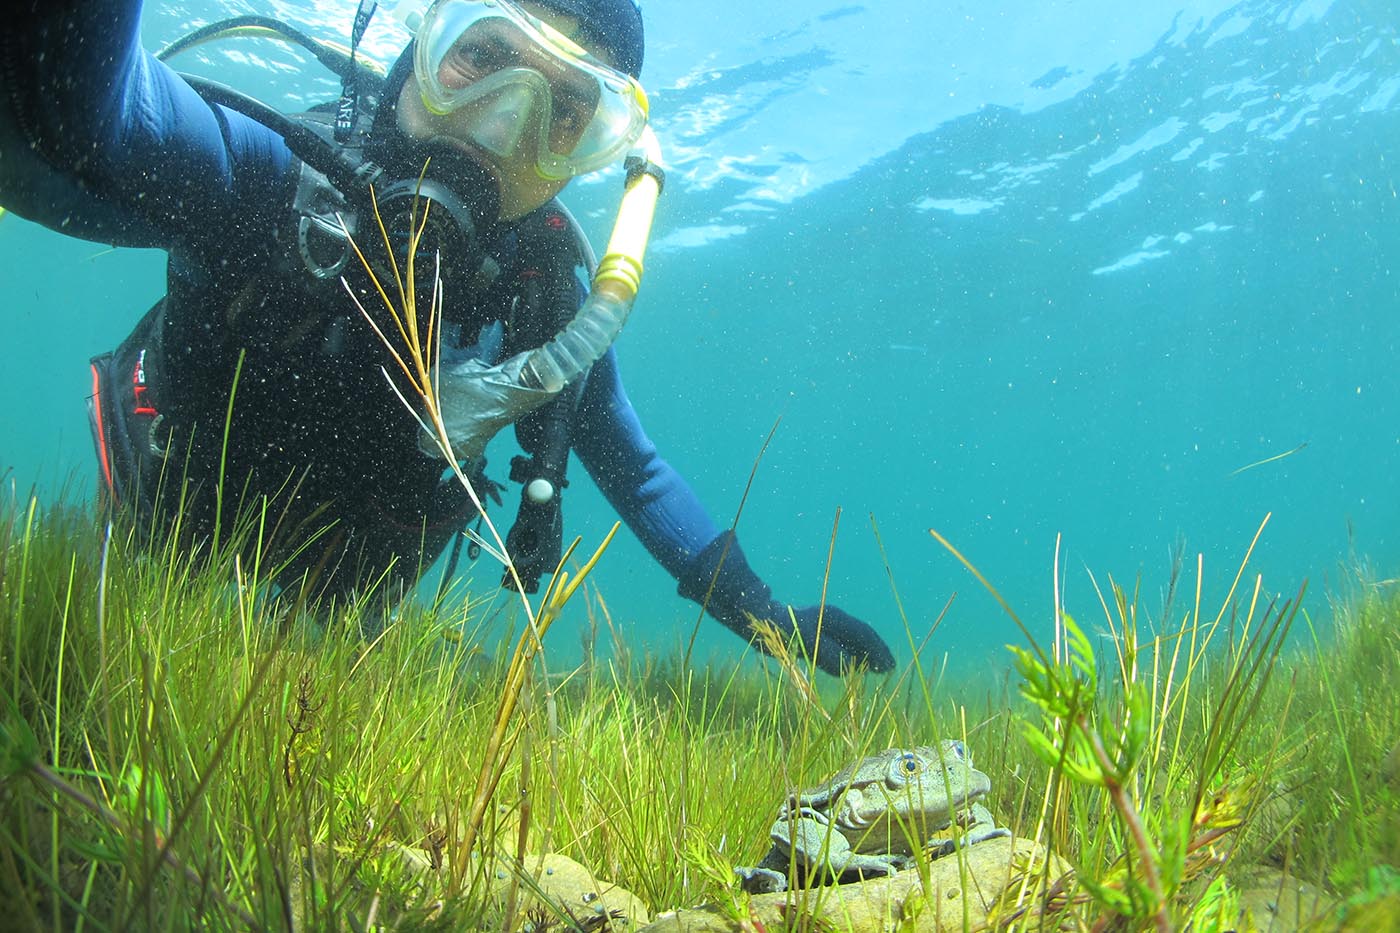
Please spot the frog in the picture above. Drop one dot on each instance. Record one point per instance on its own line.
(866, 820)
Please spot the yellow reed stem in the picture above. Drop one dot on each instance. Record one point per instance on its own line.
(419, 359)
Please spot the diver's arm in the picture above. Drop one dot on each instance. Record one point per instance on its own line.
(709, 566)
(647, 492)
(98, 139)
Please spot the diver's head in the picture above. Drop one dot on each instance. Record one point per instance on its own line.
(530, 92)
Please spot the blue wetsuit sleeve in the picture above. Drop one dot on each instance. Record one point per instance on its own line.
(647, 492)
(99, 139)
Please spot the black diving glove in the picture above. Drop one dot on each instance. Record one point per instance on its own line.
(738, 593)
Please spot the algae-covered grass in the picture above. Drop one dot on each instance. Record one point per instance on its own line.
(178, 748)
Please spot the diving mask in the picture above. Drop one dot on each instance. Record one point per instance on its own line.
(520, 89)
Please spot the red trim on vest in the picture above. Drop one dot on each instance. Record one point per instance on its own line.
(138, 387)
(100, 420)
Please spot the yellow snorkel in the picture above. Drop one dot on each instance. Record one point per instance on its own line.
(476, 400)
(587, 337)
(620, 270)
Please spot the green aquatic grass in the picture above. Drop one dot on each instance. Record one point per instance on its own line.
(175, 743)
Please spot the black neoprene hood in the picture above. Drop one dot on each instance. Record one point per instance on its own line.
(613, 27)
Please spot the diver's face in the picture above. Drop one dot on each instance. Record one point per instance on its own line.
(522, 188)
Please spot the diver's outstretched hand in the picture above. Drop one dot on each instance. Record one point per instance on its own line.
(720, 579)
(844, 641)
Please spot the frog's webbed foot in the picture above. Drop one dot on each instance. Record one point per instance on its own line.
(873, 866)
(982, 834)
(938, 847)
(761, 880)
(978, 826)
(769, 875)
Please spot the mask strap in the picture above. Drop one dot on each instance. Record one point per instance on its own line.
(347, 109)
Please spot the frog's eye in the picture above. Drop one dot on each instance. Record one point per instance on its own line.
(903, 768)
(957, 748)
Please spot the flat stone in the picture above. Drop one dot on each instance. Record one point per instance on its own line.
(1278, 902)
(961, 889)
(594, 903)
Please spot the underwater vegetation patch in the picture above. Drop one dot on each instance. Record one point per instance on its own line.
(177, 748)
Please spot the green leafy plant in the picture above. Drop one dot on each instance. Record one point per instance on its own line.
(1171, 795)
(1069, 740)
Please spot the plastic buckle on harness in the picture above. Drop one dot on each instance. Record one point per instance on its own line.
(321, 210)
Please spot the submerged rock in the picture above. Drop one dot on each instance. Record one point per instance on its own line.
(962, 889)
(1277, 902)
(554, 893)
(591, 902)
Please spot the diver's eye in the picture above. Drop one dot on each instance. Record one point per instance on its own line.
(478, 56)
(569, 119)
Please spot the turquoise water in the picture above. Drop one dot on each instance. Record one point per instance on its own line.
(1018, 272)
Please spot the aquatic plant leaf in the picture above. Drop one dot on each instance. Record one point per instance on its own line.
(1108, 894)
(141, 794)
(1136, 731)
(102, 851)
(1081, 653)
(1038, 686)
(19, 749)
(1067, 756)
(1217, 910)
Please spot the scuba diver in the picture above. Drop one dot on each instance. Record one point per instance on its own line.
(256, 386)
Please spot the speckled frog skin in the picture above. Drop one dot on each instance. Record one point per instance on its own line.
(866, 820)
